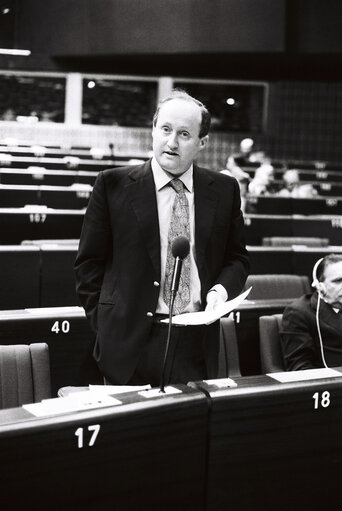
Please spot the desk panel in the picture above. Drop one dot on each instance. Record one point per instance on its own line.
(60, 197)
(68, 335)
(294, 260)
(148, 455)
(270, 260)
(272, 449)
(289, 206)
(19, 277)
(57, 287)
(41, 176)
(261, 226)
(34, 223)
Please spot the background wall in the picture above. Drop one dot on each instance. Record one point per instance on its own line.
(295, 45)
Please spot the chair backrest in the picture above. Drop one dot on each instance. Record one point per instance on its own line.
(24, 374)
(277, 286)
(229, 362)
(271, 355)
(288, 241)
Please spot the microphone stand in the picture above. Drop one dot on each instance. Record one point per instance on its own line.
(173, 291)
(174, 288)
(162, 378)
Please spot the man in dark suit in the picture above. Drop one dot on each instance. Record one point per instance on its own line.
(312, 325)
(122, 260)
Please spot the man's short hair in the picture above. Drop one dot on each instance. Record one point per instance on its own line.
(181, 94)
(327, 260)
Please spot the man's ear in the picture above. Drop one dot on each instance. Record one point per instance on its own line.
(321, 288)
(203, 142)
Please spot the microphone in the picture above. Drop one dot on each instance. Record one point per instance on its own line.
(180, 248)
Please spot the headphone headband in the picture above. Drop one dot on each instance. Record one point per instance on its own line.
(315, 281)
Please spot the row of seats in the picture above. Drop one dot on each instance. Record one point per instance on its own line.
(259, 226)
(67, 162)
(76, 196)
(25, 375)
(57, 327)
(39, 273)
(41, 176)
(267, 205)
(39, 221)
(321, 175)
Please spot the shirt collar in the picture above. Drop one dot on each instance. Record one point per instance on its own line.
(161, 179)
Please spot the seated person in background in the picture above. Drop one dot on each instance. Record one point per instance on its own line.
(293, 188)
(243, 158)
(308, 341)
(262, 183)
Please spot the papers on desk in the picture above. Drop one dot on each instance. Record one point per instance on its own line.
(117, 389)
(157, 392)
(221, 382)
(307, 374)
(78, 401)
(207, 317)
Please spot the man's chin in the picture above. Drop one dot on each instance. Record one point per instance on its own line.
(173, 170)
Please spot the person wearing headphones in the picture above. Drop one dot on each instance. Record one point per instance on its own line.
(311, 333)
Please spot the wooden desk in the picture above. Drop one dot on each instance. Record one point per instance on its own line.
(19, 277)
(37, 222)
(75, 196)
(41, 176)
(269, 205)
(68, 335)
(261, 226)
(294, 260)
(149, 454)
(275, 446)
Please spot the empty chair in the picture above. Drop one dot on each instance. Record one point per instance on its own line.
(288, 241)
(274, 286)
(271, 355)
(229, 363)
(24, 374)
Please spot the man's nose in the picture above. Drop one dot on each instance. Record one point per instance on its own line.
(173, 140)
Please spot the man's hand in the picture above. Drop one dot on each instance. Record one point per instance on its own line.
(213, 300)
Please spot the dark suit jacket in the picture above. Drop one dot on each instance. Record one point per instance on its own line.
(118, 263)
(300, 340)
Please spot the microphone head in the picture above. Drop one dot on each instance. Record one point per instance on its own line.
(180, 247)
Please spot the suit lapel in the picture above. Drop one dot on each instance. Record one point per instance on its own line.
(144, 203)
(205, 206)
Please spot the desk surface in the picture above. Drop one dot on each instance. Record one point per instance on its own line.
(146, 454)
(275, 445)
(262, 445)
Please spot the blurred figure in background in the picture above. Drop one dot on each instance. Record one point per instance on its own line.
(292, 186)
(236, 161)
(262, 183)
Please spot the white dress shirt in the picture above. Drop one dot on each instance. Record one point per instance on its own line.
(165, 198)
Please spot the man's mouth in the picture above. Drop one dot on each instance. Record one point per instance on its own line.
(171, 153)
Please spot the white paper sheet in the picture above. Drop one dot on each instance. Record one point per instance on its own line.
(222, 382)
(307, 374)
(207, 317)
(117, 389)
(76, 402)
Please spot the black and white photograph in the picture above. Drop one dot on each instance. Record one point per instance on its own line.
(170, 255)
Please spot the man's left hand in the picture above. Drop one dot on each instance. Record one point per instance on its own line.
(214, 299)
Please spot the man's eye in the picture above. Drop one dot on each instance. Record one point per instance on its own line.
(185, 134)
(165, 129)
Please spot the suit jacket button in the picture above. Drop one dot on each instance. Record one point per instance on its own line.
(156, 284)
(149, 314)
